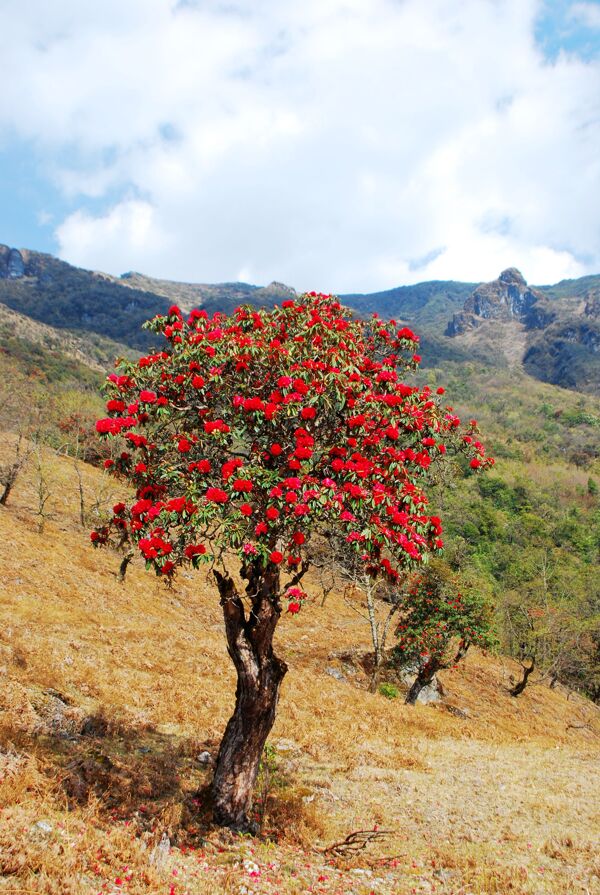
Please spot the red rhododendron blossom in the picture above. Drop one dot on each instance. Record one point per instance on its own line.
(216, 495)
(194, 550)
(242, 485)
(148, 397)
(276, 556)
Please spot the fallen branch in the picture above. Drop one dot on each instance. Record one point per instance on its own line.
(356, 841)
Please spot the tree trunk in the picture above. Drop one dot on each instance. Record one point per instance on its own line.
(520, 685)
(423, 678)
(123, 566)
(5, 493)
(259, 676)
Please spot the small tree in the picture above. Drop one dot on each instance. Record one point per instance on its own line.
(440, 620)
(246, 436)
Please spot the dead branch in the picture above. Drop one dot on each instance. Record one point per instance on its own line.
(355, 842)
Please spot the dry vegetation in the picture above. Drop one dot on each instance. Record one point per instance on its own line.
(110, 692)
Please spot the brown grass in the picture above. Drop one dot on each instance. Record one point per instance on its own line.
(109, 692)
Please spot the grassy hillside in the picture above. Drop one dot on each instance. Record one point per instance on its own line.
(111, 692)
(431, 303)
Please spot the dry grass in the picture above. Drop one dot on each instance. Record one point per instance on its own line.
(109, 692)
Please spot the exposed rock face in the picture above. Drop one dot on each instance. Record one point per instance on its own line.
(12, 266)
(507, 298)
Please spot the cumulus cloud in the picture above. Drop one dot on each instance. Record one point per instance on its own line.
(345, 145)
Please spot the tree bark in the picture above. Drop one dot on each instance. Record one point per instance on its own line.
(5, 493)
(259, 676)
(123, 566)
(520, 685)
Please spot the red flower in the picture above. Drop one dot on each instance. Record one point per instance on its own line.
(298, 538)
(243, 485)
(198, 382)
(276, 449)
(276, 556)
(246, 509)
(272, 513)
(184, 446)
(293, 607)
(216, 495)
(176, 505)
(475, 463)
(194, 550)
(308, 413)
(147, 397)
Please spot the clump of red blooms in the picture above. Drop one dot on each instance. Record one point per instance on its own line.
(249, 432)
(439, 619)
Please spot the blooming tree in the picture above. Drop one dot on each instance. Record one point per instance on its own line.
(440, 618)
(243, 437)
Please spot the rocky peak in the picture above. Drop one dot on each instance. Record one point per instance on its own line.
(512, 277)
(507, 298)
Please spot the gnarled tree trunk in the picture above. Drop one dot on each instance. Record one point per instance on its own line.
(520, 685)
(259, 676)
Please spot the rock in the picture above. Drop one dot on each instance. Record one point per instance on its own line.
(507, 298)
(287, 746)
(12, 266)
(335, 673)
(15, 266)
(205, 759)
(42, 828)
(431, 693)
(458, 713)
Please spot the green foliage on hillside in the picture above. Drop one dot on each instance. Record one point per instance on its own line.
(69, 298)
(530, 531)
(51, 366)
(430, 303)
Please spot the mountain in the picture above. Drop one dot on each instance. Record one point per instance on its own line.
(553, 332)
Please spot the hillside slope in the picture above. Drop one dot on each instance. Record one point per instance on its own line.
(553, 330)
(111, 692)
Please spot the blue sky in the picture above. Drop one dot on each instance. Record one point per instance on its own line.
(342, 145)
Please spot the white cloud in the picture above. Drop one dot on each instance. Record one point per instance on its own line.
(342, 145)
(587, 14)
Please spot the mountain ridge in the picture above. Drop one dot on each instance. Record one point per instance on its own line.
(557, 338)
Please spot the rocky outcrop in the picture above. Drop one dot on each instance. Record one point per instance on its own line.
(507, 298)
(12, 265)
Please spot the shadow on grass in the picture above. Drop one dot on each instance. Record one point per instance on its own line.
(152, 780)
